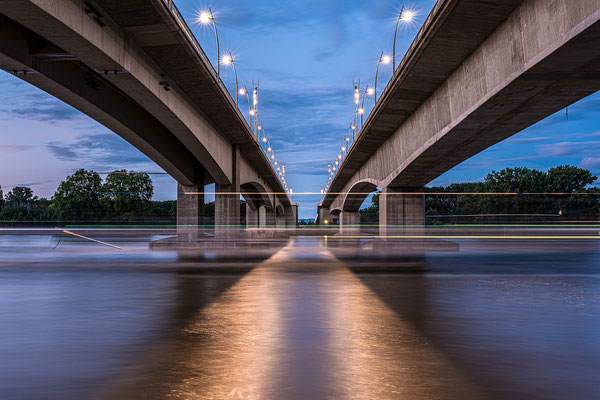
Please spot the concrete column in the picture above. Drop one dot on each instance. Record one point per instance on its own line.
(350, 223)
(291, 217)
(271, 219)
(251, 217)
(401, 214)
(324, 215)
(190, 211)
(227, 211)
(227, 202)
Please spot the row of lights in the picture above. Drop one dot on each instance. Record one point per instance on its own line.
(206, 18)
(405, 16)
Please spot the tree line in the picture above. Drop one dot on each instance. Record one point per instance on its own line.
(511, 195)
(124, 197)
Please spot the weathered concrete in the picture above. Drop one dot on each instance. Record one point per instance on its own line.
(291, 218)
(477, 73)
(190, 212)
(401, 212)
(251, 217)
(349, 222)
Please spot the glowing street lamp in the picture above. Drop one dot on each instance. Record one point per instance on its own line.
(404, 16)
(383, 59)
(244, 91)
(227, 60)
(207, 17)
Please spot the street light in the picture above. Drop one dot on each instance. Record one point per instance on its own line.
(383, 59)
(207, 17)
(228, 59)
(404, 16)
(244, 91)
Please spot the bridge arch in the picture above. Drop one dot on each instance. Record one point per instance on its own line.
(255, 195)
(357, 194)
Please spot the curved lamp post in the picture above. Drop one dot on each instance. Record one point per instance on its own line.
(244, 91)
(361, 110)
(382, 60)
(207, 18)
(228, 59)
(404, 16)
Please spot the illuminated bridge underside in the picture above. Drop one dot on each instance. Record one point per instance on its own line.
(130, 65)
(478, 73)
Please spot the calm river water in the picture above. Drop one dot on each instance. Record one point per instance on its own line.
(494, 320)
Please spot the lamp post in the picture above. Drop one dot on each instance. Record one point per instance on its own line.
(207, 18)
(405, 16)
(382, 60)
(361, 110)
(244, 91)
(228, 59)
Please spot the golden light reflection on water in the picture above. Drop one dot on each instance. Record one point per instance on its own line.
(299, 326)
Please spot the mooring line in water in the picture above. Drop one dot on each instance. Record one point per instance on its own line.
(93, 240)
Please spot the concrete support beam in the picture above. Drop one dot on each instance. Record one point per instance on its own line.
(271, 220)
(190, 211)
(291, 217)
(350, 223)
(401, 212)
(251, 217)
(324, 215)
(227, 203)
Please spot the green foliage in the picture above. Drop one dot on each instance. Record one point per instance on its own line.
(20, 197)
(77, 198)
(126, 195)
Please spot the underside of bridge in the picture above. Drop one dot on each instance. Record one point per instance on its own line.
(133, 67)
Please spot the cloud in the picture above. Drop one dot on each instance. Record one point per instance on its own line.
(573, 149)
(15, 148)
(99, 151)
(49, 111)
(591, 163)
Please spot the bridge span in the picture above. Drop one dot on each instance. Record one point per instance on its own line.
(477, 73)
(135, 67)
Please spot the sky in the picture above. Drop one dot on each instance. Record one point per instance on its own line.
(306, 54)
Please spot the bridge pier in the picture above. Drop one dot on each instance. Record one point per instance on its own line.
(190, 211)
(291, 217)
(227, 211)
(251, 217)
(349, 222)
(325, 216)
(401, 212)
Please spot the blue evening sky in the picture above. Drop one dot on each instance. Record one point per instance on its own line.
(306, 55)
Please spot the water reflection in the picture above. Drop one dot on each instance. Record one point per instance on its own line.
(485, 322)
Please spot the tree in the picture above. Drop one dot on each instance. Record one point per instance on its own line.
(20, 197)
(78, 197)
(568, 179)
(127, 194)
(1, 198)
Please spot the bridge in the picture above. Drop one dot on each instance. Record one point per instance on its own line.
(477, 73)
(135, 67)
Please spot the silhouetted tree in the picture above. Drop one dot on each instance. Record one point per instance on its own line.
(78, 197)
(20, 197)
(127, 194)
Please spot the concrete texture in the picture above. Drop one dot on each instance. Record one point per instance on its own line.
(190, 212)
(401, 212)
